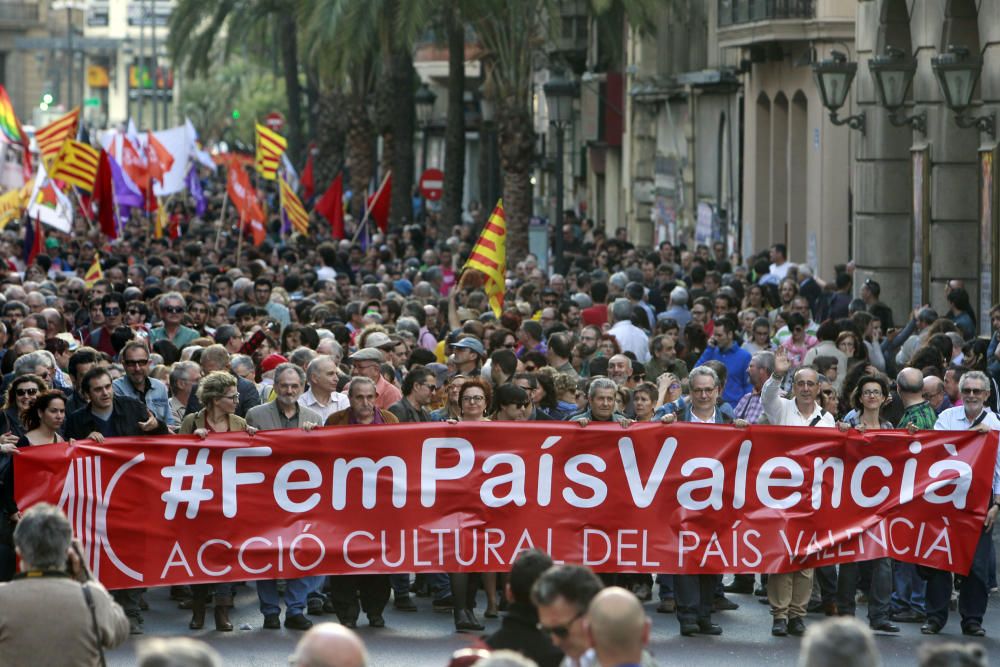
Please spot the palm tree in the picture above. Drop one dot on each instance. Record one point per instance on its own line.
(349, 34)
(513, 35)
(197, 25)
(454, 138)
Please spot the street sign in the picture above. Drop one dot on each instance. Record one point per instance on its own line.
(92, 102)
(275, 121)
(432, 184)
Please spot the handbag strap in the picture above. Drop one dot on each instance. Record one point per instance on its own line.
(979, 419)
(93, 618)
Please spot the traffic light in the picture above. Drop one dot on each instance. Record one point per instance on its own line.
(46, 101)
(236, 114)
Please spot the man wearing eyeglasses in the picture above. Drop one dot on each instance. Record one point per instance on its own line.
(789, 592)
(172, 307)
(137, 384)
(972, 415)
(562, 595)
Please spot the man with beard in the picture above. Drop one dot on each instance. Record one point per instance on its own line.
(285, 413)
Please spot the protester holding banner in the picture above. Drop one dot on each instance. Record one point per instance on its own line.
(972, 415)
(353, 593)
(788, 592)
(43, 421)
(285, 413)
(217, 392)
(20, 396)
(869, 399)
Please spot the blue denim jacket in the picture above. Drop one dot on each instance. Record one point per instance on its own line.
(156, 398)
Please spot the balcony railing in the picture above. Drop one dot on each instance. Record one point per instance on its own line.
(18, 12)
(736, 12)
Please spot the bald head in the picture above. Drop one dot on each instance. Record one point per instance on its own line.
(910, 383)
(330, 645)
(618, 627)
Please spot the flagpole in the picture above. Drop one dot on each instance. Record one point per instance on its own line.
(239, 243)
(368, 209)
(83, 211)
(222, 219)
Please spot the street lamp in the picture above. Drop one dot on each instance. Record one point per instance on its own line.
(893, 73)
(957, 72)
(559, 95)
(490, 187)
(833, 78)
(424, 100)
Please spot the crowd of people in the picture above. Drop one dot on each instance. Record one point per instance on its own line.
(310, 332)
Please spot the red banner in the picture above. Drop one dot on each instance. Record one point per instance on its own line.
(444, 498)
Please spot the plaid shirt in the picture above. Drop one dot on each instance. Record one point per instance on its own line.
(749, 408)
(921, 414)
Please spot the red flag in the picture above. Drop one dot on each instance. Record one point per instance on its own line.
(34, 241)
(135, 166)
(378, 205)
(104, 197)
(160, 159)
(331, 205)
(245, 199)
(308, 180)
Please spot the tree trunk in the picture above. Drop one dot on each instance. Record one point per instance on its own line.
(517, 146)
(454, 133)
(360, 151)
(290, 60)
(404, 79)
(331, 135)
(313, 95)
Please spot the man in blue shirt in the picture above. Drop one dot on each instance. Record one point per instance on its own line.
(735, 358)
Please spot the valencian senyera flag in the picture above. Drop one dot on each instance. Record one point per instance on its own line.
(292, 209)
(51, 137)
(270, 147)
(489, 257)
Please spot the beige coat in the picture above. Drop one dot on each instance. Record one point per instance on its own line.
(45, 622)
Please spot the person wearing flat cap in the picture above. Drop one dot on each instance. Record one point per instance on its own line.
(468, 353)
(367, 362)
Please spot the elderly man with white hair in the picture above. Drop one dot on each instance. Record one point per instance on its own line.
(630, 337)
(677, 308)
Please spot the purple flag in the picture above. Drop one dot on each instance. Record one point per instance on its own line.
(194, 187)
(127, 194)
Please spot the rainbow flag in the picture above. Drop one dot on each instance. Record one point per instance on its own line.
(11, 129)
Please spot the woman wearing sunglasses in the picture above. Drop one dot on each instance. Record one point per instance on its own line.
(20, 397)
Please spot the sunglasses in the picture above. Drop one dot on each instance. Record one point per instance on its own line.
(561, 631)
(134, 312)
(111, 312)
(968, 391)
(26, 392)
(136, 362)
(173, 309)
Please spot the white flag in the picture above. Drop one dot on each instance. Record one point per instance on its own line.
(48, 204)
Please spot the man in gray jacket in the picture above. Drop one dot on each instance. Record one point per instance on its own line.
(53, 577)
(285, 412)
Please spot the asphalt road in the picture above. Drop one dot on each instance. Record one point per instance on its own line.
(428, 638)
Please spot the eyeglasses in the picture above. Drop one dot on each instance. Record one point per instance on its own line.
(872, 393)
(136, 362)
(474, 399)
(134, 311)
(30, 391)
(702, 390)
(111, 312)
(969, 391)
(173, 309)
(561, 631)
(231, 397)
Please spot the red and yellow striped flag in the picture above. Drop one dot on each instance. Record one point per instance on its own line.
(51, 137)
(489, 257)
(270, 147)
(292, 208)
(77, 164)
(94, 273)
